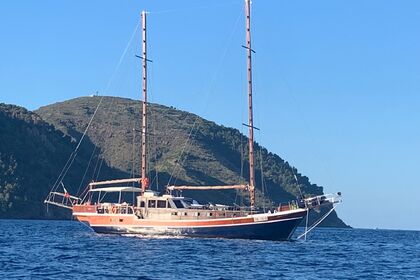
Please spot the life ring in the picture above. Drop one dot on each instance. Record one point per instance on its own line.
(114, 209)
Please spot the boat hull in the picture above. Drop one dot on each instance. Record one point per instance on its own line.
(277, 230)
(270, 226)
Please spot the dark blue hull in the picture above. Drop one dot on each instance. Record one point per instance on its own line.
(273, 230)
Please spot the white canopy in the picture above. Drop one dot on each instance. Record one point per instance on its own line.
(117, 189)
(118, 181)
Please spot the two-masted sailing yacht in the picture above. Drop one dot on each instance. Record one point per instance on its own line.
(170, 214)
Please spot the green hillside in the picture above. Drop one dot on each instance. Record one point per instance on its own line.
(32, 154)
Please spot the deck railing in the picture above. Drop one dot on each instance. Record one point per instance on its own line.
(61, 200)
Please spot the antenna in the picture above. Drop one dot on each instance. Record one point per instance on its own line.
(250, 113)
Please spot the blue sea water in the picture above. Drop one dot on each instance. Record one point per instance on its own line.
(70, 250)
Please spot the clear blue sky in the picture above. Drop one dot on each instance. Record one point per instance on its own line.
(337, 83)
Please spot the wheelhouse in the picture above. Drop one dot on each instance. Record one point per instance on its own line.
(151, 200)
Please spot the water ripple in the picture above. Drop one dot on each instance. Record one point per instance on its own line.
(65, 249)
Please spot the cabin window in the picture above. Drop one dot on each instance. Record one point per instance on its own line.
(151, 204)
(142, 203)
(210, 214)
(161, 204)
(178, 203)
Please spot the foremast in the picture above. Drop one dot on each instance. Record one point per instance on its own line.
(144, 179)
(250, 109)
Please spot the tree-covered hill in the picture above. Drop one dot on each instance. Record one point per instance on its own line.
(32, 155)
(184, 149)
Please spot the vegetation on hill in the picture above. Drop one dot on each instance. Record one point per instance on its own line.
(32, 154)
(184, 149)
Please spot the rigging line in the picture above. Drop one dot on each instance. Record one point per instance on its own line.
(212, 83)
(133, 153)
(81, 139)
(117, 68)
(99, 169)
(96, 166)
(74, 153)
(90, 122)
(90, 228)
(306, 224)
(242, 154)
(306, 126)
(263, 186)
(154, 127)
(241, 165)
(86, 170)
(111, 80)
(318, 222)
(100, 160)
(241, 175)
(133, 124)
(153, 123)
(297, 181)
(177, 165)
(56, 184)
(258, 123)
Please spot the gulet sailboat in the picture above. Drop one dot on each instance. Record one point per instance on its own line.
(175, 215)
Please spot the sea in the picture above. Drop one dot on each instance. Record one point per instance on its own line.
(31, 249)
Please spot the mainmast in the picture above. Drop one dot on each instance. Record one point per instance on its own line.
(250, 113)
(144, 179)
